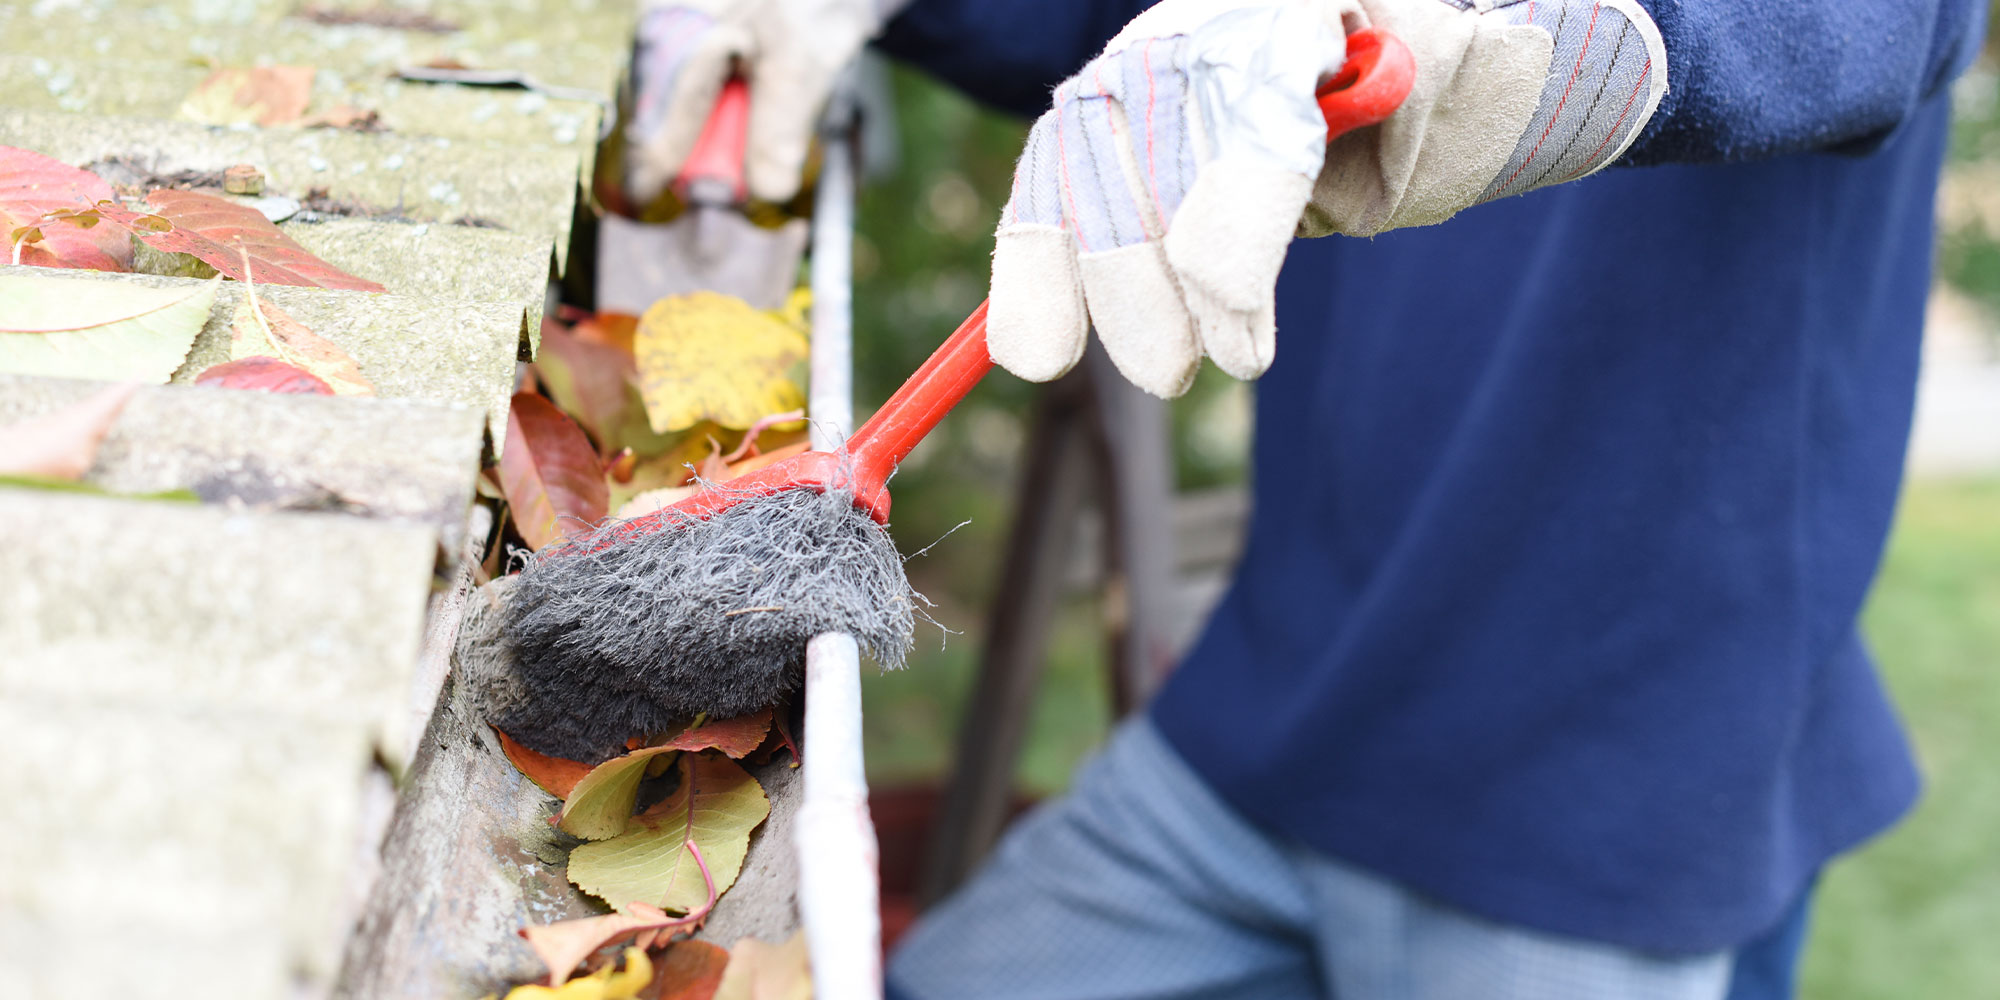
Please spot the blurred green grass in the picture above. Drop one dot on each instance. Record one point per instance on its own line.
(1915, 914)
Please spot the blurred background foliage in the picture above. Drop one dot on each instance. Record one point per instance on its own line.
(1912, 915)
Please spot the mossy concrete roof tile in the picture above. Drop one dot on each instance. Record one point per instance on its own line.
(152, 88)
(434, 179)
(385, 458)
(409, 347)
(175, 603)
(226, 835)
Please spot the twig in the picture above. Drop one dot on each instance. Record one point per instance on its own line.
(745, 611)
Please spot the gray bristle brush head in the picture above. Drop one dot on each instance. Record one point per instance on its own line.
(619, 634)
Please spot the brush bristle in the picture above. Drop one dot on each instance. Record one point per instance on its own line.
(616, 637)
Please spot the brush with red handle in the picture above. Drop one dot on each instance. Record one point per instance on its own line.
(706, 606)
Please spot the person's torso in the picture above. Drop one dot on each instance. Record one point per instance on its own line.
(1564, 513)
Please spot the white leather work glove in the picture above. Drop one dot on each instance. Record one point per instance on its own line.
(790, 51)
(1156, 198)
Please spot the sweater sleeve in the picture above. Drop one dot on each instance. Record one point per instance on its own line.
(1745, 78)
(1755, 78)
(1006, 53)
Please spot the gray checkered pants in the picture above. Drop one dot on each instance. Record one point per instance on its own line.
(1142, 885)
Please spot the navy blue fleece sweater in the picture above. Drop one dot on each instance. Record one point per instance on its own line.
(1566, 507)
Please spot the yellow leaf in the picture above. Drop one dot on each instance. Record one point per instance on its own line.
(599, 807)
(707, 356)
(604, 984)
(717, 805)
(760, 971)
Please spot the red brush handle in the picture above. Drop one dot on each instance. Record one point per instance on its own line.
(1371, 84)
(717, 157)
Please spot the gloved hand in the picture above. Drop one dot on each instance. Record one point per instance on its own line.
(1158, 195)
(789, 49)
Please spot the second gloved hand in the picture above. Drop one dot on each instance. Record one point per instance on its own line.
(1156, 198)
(791, 50)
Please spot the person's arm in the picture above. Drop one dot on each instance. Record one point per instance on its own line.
(1159, 190)
(1005, 53)
(1744, 79)
(1766, 77)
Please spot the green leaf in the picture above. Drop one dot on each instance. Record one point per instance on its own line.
(600, 806)
(717, 805)
(105, 330)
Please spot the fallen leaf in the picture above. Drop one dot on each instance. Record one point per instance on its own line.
(612, 329)
(604, 984)
(33, 185)
(675, 468)
(761, 971)
(734, 737)
(707, 356)
(716, 806)
(689, 970)
(263, 374)
(564, 945)
(101, 330)
(553, 775)
(599, 805)
(62, 444)
(253, 95)
(595, 382)
(286, 339)
(653, 501)
(549, 473)
(219, 232)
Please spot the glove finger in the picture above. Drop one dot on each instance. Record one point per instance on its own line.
(673, 104)
(1035, 323)
(1140, 317)
(786, 95)
(1226, 247)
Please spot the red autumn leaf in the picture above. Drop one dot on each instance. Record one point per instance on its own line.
(688, 970)
(219, 232)
(62, 444)
(33, 185)
(554, 775)
(612, 329)
(591, 380)
(549, 473)
(734, 737)
(264, 375)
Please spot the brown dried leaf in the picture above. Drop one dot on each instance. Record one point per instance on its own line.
(565, 944)
(286, 339)
(689, 970)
